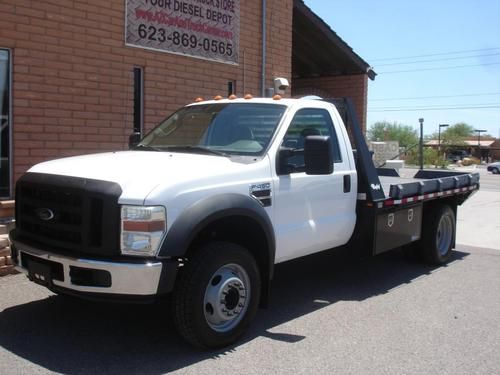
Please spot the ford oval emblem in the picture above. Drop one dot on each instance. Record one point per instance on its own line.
(45, 214)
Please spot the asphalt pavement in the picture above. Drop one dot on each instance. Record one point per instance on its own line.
(329, 314)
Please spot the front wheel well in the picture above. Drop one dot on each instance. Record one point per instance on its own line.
(246, 232)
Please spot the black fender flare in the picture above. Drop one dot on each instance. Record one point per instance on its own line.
(208, 210)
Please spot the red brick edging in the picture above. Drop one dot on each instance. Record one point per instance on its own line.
(6, 265)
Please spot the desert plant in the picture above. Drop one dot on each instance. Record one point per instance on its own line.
(431, 157)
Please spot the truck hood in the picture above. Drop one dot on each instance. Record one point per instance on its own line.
(139, 172)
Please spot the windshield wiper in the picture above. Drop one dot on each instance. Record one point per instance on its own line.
(196, 149)
(147, 148)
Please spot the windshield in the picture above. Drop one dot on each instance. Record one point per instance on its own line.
(222, 128)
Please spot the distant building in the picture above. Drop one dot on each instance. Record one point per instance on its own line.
(487, 147)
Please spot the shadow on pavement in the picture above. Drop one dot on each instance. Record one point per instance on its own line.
(73, 336)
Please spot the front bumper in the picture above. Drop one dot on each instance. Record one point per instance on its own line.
(91, 277)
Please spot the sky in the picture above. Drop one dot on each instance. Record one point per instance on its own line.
(434, 59)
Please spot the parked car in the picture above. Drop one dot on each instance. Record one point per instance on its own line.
(494, 168)
(457, 155)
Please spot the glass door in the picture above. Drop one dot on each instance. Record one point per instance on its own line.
(5, 125)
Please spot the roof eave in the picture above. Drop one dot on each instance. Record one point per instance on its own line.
(364, 67)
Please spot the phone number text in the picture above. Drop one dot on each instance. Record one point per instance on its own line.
(185, 40)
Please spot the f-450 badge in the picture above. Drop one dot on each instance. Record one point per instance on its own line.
(262, 193)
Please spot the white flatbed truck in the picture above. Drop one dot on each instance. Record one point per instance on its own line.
(204, 206)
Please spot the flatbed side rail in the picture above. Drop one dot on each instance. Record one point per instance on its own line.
(433, 185)
(425, 197)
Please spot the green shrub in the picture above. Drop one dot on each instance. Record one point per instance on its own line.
(431, 157)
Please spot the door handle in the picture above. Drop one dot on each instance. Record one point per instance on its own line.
(347, 183)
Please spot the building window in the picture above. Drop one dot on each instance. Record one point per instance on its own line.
(231, 88)
(5, 125)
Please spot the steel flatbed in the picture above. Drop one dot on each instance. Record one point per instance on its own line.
(392, 211)
(427, 185)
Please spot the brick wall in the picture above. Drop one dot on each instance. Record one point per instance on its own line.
(6, 266)
(279, 39)
(72, 74)
(6, 211)
(353, 86)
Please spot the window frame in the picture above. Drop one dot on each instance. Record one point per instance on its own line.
(334, 137)
(9, 119)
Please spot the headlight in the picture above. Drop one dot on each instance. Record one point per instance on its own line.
(143, 228)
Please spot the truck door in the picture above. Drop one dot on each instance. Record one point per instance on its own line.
(313, 213)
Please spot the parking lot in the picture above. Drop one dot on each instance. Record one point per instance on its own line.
(329, 314)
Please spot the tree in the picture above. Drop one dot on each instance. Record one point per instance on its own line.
(456, 134)
(459, 130)
(387, 131)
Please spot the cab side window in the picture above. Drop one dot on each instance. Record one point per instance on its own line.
(309, 121)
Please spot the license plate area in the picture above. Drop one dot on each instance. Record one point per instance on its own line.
(42, 271)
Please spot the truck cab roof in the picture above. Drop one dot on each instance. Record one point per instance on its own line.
(288, 102)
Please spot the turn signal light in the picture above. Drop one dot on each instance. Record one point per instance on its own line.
(217, 97)
(277, 97)
(248, 96)
(142, 229)
(232, 97)
(144, 226)
(199, 99)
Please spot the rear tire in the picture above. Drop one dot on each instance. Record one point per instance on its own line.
(438, 235)
(217, 295)
(495, 171)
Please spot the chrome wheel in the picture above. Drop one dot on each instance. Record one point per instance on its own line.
(444, 235)
(226, 297)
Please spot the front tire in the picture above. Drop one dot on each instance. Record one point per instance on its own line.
(438, 234)
(217, 295)
(495, 171)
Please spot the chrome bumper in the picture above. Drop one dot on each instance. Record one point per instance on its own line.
(126, 278)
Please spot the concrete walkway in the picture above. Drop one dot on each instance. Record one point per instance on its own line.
(478, 220)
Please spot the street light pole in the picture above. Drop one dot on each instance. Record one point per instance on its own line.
(479, 131)
(439, 135)
(421, 144)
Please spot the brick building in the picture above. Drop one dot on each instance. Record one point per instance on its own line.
(79, 76)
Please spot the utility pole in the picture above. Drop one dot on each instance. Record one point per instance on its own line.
(421, 145)
(479, 131)
(439, 135)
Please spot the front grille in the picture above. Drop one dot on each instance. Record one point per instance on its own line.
(68, 214)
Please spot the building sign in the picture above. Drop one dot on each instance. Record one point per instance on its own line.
(207, 29)
(383, 151)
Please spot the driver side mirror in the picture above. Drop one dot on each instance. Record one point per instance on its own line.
(318, 155)
(134, 139)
